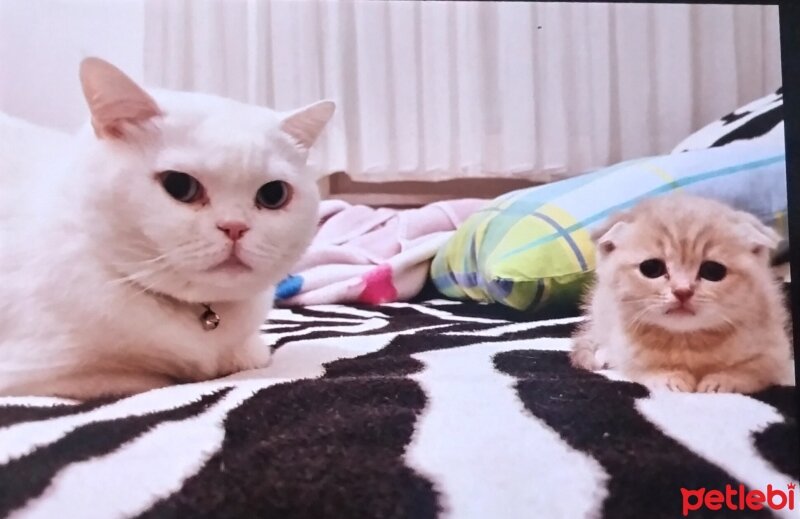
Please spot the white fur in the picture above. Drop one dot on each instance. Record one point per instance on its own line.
(102, 273)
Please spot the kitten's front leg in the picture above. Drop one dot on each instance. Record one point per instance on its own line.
(731, 382)
(586, 353)
(676, 380)
(749, 377)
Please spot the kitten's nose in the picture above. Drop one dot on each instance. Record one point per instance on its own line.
(234, 230)
(683, 294)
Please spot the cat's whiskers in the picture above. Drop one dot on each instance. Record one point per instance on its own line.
(637, 321)
(147, 261)
(153, 272)
(269, 253)
(136, 278)
(729, 324)
(143, 289)
(203, 256)
(645, 299)
(181, 250)
(136, 246)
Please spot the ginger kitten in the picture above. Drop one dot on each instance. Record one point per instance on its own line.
(684, 299)
(149, 254)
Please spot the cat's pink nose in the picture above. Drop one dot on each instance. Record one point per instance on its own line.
(682, 294)
(234, 230)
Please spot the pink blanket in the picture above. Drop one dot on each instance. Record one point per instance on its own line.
(366, 255)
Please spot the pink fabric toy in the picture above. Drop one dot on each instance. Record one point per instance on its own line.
(362, 254)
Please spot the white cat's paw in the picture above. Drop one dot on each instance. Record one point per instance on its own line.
(675, 381)
(729, 383)
(254, 354)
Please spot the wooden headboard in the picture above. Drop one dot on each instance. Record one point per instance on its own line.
(416, 193)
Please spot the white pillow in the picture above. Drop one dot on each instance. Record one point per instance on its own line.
(760, 120)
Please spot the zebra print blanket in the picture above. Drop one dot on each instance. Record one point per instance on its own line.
(437, 409)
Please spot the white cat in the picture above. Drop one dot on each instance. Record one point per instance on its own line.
(166, 203)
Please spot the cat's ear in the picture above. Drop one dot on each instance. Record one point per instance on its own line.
(760, 238)
(114, 100)
(610, 239)
(305, 125)
(608, 235)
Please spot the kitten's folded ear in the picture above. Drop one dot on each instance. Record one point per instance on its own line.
(760, 237)
(608, 234)
(305, 125)
(114, 99)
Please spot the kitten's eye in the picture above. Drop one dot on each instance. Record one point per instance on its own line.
(181, 186)
(712, 271)
(273, 195)
(653, 268)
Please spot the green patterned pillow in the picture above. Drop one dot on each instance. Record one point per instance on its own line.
(531, 250)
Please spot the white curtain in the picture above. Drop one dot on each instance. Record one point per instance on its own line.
(436, 90)
(426, 90)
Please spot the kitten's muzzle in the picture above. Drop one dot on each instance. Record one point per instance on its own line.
(683, 294)
(681, 309)
(682, 306)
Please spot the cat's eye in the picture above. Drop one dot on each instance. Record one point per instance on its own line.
(182, 186)
(273, 195)
(653, 268)
(712, 271)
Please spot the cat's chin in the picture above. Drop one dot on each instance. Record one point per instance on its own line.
(231, 267)
(684, 322)
(223, 285)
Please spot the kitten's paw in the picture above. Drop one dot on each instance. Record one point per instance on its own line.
(675, 381)
(729, 383)
(585, 354)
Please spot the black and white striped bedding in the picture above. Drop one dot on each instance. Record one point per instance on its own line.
(437, 409)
